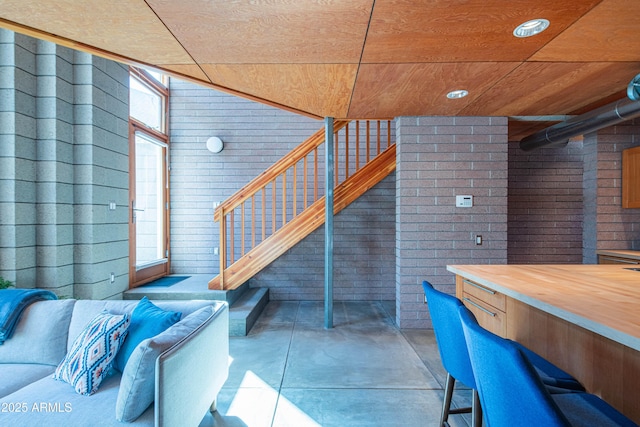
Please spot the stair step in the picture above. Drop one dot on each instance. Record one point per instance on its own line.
(246, 310)
(245, 303)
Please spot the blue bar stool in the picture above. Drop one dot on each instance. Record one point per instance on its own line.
(452, 346)
(512, 393)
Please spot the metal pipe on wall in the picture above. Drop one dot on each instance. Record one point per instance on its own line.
(559, 134)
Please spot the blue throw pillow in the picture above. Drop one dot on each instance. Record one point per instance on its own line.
(147, 320)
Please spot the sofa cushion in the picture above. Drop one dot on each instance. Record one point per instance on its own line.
(17, 375)
(40, 335)
(137, 387)
(92, 352)
(147, 320)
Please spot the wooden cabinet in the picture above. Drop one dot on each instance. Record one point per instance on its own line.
(486, 304)
(582, 318)
(631, 178)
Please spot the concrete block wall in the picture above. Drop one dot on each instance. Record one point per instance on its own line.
(363, 260)
(607, 224)
(63, 157)
(101, 167)
(437, 159)
(18, 90)
(545, 205)
(255, 137)
(54, 173)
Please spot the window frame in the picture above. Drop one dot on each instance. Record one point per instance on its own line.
(152, 271)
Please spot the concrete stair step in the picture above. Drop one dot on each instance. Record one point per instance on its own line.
(246, 310)
(245, 303)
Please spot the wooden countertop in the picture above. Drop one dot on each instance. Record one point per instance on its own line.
(619, 253)
(604, 299)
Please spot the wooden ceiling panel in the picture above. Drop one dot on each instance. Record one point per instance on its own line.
(610, 32)
(127, 28)
(547, 88)
(390, 90)
(317, 89)
(187, 71)
(463, 30)
(363, 58)
(276, 31)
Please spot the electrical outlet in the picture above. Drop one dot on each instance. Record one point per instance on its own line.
(478, 239)
(216, 251)
(112, 277)
(112, 205)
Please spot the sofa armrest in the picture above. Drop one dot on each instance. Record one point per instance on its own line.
(190, 374)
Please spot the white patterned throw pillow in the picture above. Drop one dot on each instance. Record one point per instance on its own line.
(92, 353)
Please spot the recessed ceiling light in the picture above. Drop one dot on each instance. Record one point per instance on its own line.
(455, 94)
(531, 28)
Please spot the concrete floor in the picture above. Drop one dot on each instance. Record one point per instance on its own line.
(291, 371)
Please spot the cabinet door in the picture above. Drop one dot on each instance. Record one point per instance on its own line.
(631, 178)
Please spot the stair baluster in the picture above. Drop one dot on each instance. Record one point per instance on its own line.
(282, 180)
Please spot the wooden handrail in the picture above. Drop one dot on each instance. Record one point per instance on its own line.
(282, 179)
(306, 222)
(275, 170)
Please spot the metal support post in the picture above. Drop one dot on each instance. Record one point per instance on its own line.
(328, 224)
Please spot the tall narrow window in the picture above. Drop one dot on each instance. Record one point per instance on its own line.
(148, 211)
(148, 177)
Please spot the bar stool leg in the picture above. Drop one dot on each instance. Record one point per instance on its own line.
(476, 410)
(446, 403)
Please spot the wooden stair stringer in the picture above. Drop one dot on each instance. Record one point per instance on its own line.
(306, 222)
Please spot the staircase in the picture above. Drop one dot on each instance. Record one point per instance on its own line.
(279, 208)
(285, 203)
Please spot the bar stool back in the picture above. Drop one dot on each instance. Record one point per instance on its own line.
(512, 393)
(452, 346)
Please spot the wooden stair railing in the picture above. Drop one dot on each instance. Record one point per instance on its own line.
(285, 202)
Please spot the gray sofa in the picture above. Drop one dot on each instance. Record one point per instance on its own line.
(180, 370)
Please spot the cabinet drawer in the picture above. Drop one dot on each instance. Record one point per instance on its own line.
(608, 259)
(482, 293)
(488, 317)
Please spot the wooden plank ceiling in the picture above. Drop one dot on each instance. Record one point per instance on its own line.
(365, 58)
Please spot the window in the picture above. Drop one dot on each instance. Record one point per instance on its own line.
(148, 177)
(146, 105)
